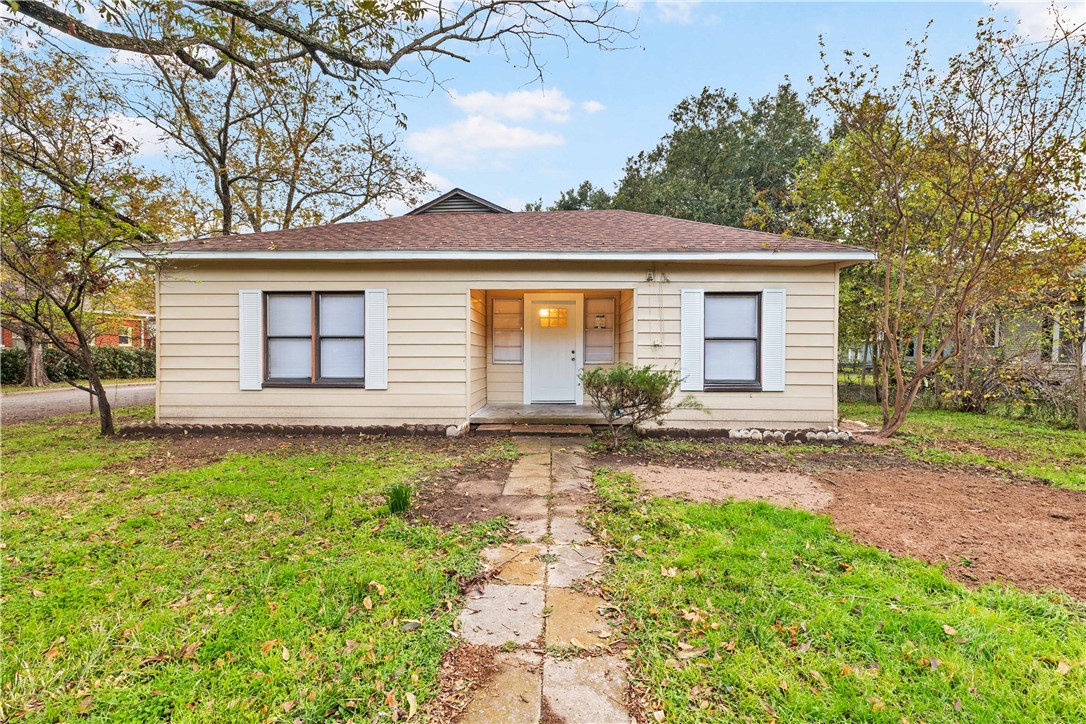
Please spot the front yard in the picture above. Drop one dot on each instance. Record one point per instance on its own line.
(257, 578)
(147, 580)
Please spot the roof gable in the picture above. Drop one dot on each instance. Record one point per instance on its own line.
(458, 201)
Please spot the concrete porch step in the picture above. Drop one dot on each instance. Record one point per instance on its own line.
(502, 429)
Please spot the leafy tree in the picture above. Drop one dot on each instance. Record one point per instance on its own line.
(70, 195)
(585, 197)
(949, 175)
(723, 163)
(275, 149)
(355, 40)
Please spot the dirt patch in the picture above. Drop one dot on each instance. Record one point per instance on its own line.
(467, 494)
(782, 488)
(983, 529)
(464, 669)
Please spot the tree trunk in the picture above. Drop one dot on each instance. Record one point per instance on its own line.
(105, 411)
(35, 363)
(1080, 384)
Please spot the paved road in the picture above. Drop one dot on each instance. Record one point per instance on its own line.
(34, 405)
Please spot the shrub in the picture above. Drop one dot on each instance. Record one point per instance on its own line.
(399, 498)
(12, 366)
(629, 396)
(122, 363)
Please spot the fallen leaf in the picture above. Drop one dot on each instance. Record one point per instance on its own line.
(877, 704)
(288, 705)
(934, 663)
(1062, 668)
(693, 653)
(268, 646)
(658, 715)
(378, 587)
(37, 593)
(52, 653)
(249, 518)
(286, 654)
(367, 603)
(949, 630)
(669, 572)
(412, 704)
(86, 704)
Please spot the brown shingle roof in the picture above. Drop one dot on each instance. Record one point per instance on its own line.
(548, 232)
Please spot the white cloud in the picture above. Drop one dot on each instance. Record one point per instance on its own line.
(1036, 19)
(677, 11)
(524, 105)
(462, 141)
(593, 107)
(148, 139)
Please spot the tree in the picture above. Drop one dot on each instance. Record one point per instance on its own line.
(277, 149)
(69, 197)
(723, 163)
(353, 40)
(949, 175)
(585, 197)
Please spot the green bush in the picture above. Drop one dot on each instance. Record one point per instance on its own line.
(121, 363)
(629, 396)
(12, 366)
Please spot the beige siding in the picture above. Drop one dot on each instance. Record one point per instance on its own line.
(477, 344)
(626, 326)
(435, 359)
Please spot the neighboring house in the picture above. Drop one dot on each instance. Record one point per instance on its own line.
(461, 312)
(131, 329)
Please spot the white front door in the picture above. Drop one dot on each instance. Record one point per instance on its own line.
(553, 347)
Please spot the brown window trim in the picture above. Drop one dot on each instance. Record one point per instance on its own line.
(737, 385)
(315, 338)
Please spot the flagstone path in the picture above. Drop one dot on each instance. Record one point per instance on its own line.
(554, 665)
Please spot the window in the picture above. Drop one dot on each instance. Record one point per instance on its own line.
(507, 323)
(732, 344)
(1066, 344)
(554, 317)
(315, 338)
(599, 330)
(124, 337)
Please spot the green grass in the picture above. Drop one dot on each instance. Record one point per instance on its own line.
(1033, 449)
(749, 612)
(264, 586)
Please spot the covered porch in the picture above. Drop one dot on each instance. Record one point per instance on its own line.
(528, 348)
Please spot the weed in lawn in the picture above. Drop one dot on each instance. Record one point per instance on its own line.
(744, 611)
(399, 498)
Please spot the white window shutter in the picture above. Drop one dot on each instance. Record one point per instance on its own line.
(773, 339)
(376, 339)
(692, 339)
(250, 339)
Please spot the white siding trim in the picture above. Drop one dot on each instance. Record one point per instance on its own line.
(849, 255)
(376, 339)
(773, 339)
(692, 340)
(250, 339)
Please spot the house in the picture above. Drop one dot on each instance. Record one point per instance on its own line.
(460, 312)
(121, 329)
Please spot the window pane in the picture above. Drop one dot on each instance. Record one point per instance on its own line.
(731, 361)
(342, 315)
(599, 346)
(290, 315)
(290, 359)
(507, 321)
(731, 315)
(507, 346)
(507, 306)
(342, 359)
(598, 355)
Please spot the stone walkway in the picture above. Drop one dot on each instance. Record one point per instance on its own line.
(554, 664)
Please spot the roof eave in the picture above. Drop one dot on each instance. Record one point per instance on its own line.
(850, 256)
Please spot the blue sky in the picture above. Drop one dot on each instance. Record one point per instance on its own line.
(496, 131)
